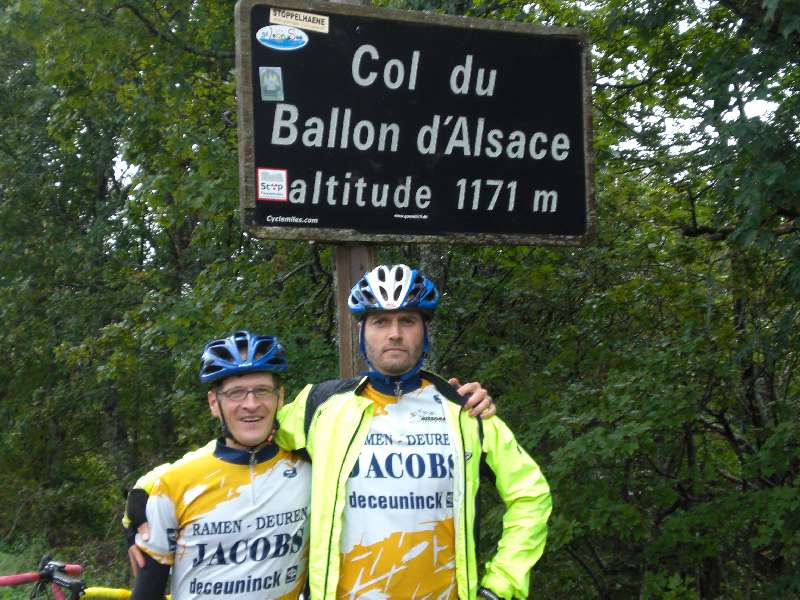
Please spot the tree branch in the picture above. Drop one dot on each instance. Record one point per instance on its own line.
(710, 233)
(168, 37)
(584, 565)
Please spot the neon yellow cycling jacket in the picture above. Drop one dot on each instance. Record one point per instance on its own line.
(332, 426)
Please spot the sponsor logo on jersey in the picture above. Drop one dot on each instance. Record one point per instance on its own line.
(172, 538)
(424, 416)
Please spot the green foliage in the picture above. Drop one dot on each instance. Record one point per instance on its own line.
(121, 253)
(19, 558)
(651, 374)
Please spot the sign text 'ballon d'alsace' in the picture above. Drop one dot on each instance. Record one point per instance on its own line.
(361, 124)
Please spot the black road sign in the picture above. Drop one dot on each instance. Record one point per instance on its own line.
(362, 124)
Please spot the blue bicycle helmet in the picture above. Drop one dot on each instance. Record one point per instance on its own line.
(239, 353)
(393, 287)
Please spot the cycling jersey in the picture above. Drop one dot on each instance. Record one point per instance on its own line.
(232, 523)
(398, 518)
(334, 429)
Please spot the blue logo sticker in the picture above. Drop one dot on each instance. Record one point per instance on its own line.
(290, 472)
(282, 37)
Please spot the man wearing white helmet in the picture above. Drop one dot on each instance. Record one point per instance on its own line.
(396, 466)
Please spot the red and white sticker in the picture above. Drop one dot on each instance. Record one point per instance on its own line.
(272, 185)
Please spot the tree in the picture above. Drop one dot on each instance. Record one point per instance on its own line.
(650, 373)
(657, 366)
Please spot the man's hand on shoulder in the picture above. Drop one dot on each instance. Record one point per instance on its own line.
(478, 402)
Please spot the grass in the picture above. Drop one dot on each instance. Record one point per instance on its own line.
(19, 558)
(104, 563)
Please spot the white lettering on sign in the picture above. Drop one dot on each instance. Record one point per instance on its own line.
(547, 200)
(461, 76)
(471, 139)
(394, 71)
(443, 135)
(343, 191)
(337, 132)
(495, 189)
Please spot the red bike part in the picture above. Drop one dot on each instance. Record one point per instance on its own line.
(18, 579)
(33, 577)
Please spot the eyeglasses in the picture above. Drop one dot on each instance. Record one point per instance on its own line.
(261, 393)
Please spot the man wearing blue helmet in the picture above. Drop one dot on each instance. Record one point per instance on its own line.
(394, 511)
(231, 518)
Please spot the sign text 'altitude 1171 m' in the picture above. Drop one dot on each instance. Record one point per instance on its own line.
(361, 124)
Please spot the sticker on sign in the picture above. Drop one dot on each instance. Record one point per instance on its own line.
(297, 18)
(273, 184)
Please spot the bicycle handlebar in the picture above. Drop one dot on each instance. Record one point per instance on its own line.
(61, 578)
(19, 578)
(48, 569)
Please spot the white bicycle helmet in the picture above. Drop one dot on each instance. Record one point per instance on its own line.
(393, 287)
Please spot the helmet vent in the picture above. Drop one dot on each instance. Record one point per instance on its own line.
(222, 352)
(263, 347)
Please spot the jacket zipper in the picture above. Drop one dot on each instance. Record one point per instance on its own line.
(252, 476)
(464, 503)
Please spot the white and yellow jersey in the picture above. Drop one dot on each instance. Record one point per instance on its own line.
(398, 516)
(233, 524)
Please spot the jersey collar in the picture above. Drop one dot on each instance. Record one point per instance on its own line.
(243, 457)
(387, 384)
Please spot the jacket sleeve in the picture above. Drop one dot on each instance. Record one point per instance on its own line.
(525, 492)
(291, 434)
